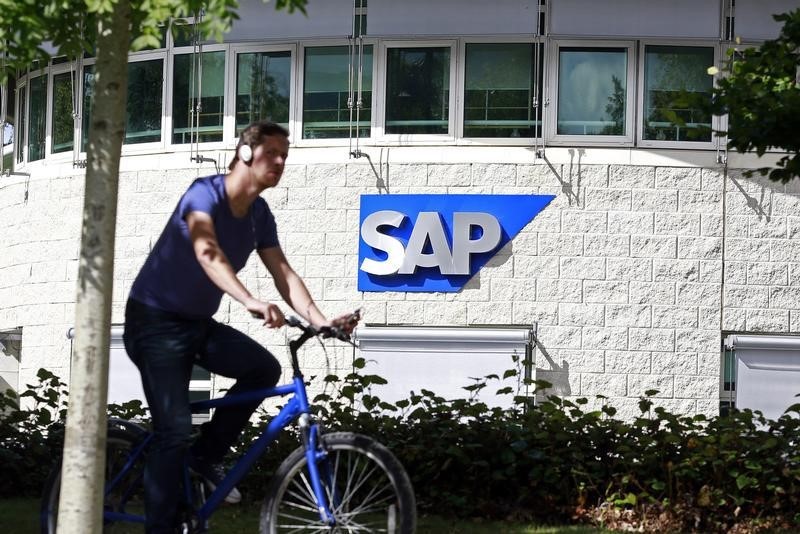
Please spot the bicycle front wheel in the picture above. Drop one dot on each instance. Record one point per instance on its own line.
(366, 486)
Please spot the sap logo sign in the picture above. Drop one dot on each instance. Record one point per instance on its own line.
(436, 242)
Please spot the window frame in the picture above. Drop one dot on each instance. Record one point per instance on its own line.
(41, 72)
(640, 88)
(300, 79)
(138, 148)
(56, 70)
(21, 132)
(551, 95)
(229, 121)
(379, 119)
(227, 124)
(461, 94)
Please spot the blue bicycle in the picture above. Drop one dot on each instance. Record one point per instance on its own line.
(335, 482)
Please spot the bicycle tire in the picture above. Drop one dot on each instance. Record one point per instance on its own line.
(362, 470)
(119, 443)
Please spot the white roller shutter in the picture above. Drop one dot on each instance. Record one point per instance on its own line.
(767, 372)
(634, 18)
(259, 21)
(451, 17)
(753, 18)
(443, 360)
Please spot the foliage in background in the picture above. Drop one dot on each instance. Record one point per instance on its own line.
(761, 95)
(556, 462)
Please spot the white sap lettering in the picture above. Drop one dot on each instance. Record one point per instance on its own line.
(428, 227)
(386, 243)
(463, 246)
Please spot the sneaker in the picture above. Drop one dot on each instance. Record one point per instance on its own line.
(213, 474)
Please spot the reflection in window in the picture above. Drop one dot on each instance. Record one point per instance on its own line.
(499, 91)
(145, 95)
(211, 88)
(592, 91)
(88, 97)
(22, 121)
(262, 88)
(417, 90)
(676, 82)
(144, 107)
(38, 118)
(326, 91)
(63, 124)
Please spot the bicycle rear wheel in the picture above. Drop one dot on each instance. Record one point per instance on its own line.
(367, 489)
(127, 495)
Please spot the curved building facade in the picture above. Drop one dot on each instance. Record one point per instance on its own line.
(655, 253)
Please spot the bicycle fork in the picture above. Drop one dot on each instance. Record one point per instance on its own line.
(314, 458)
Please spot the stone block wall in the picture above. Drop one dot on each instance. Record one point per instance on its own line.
(632, 274)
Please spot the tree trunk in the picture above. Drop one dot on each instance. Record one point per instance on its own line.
(81, 504)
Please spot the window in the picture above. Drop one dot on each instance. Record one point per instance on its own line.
(592, 91)
(144, 108)
(326, 92)
(37, 111)
(263, 82)
(499, 90)
(22, 116)
(88, 97)
(125, 385)
(418, 90)
(209, 86)
(760, 372)
(145, 102)
(63, 123)
(6, 119)
(675, 82)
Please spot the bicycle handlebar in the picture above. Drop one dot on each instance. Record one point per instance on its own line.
(326, 331)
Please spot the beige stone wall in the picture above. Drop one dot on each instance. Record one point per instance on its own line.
(623, 272)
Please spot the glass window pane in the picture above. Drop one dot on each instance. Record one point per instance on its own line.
(417, 90)
(145, 102)
(499, 91)
(37, 111)
(675, 77)
(326, 113)
(63, 124)
(211, 91)
(88, 97)
(144, 109)
(592, 91)
(262, 88)
(23, 113)
(199, 373)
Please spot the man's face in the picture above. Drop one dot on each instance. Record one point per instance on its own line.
(269, 159)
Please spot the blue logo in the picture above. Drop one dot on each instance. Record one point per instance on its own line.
(436, 242)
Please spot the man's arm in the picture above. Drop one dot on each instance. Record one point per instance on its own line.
(291, 286)
(217, 267)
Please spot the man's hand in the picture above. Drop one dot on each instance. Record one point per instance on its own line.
(346, 323)
(269, 312)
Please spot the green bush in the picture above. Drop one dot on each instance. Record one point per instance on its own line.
(555, 461)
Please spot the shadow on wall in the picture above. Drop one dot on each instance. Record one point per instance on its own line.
(757, 204)
(571, 184)
(381, 182)
(557, 375)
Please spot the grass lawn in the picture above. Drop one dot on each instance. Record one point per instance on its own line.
(20, 516)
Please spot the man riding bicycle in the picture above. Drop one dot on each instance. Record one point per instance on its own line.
(169, 327)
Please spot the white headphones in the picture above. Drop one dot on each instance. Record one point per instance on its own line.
(245, 153)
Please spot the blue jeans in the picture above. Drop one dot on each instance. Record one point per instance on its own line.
(165, 346)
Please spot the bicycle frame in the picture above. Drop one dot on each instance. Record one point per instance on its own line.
(296, 408)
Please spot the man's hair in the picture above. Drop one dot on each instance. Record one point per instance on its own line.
(255, 134)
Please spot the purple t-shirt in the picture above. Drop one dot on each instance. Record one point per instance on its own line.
(172, 279)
